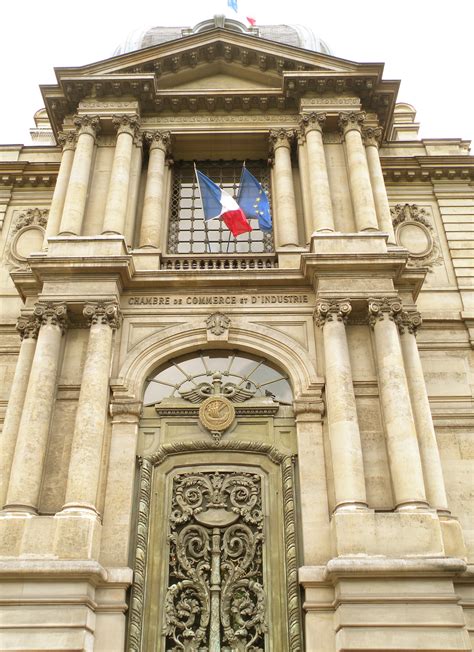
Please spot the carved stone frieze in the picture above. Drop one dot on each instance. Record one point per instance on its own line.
(28, 327)
(351, 120)
(384, 307)
(415, 232)
(51, 314)
(331, 310)
(102, 312)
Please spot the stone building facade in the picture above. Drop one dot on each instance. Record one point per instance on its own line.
(252, 444)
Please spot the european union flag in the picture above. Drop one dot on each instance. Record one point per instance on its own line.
(253, 200)
(232, 4)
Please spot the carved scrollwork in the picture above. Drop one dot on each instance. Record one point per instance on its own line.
(337, 310)
(160, 139)
(281, 138)
(384, 307)
(351, 120)
(89, 124)
(409, 321)
(313, 120)
(415, 232)
(101, 312)
(51, 314)
(126, 123)
(28, 327)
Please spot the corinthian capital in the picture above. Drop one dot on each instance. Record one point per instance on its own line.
(409, 321)
(87, 124)
(28, 327)
(372, 136)
(51, 314)
(158, 139)
(382, 308)
(103, 312)
(281, 138)
(332, 310)
(128, 124)
(67, 139)
(312, 121)
(352, 120)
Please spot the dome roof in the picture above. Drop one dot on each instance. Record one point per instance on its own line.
(299, 36)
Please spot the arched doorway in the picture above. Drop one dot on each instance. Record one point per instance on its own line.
(215, 550)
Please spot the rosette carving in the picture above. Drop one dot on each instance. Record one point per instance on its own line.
(51, 314)
(384, 307)
(103, 313)
(337, 310)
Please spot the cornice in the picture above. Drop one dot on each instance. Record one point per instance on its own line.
(427, 168)
(25, 174)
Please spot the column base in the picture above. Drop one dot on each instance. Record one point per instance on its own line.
(79, 510)
(351, 507)
(19, 510)
(413, 506)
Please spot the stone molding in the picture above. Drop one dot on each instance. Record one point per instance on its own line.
(87, 124)
(102, 312)
(28, 327)
(312, 121)
(351, 121)
(52, 314)
(125, 123)
(372, 136)
(382, 307)
(332, 310)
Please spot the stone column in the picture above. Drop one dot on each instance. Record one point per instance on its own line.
(321, 206)
(28, 461)
(76, 195)
(287, 228)
(68, 141)
(429, 451)
(134, 189)
(359, 178)
(116, 203)
(28, 328)
(305, 186)
(343, 424)
(372, 137)
(403, 453)
(153, 201)
(86, 452)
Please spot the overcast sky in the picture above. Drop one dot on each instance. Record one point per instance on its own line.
(425, 43)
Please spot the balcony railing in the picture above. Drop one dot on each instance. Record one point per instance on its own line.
(219, 262)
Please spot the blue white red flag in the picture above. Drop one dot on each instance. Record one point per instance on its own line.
(217, 203)
(253, 200)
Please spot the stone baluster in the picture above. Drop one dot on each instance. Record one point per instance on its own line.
(28, 328)
(372, 137)
(116, 203)
(320, 193)
(87, 442)
(287, 227)
(408, 324)
(403, 452)
(359, 178)
(30, 450)
(153, 201)
(305, 184)
(68, 141)
(78, 187)
(343, 424)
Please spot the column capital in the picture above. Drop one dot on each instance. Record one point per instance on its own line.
(351, 121)
(313, 121)
(103, 312)
(158, 140)
(381, 307)
(125, 409)
(281, 138)
(87, 124)
(308, 406)
(332, 310)
(52, 314)
(372, 136)
(409, 321)
(67, 140)
(28, 327)
(126, 124)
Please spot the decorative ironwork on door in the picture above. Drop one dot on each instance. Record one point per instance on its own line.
(216, 596)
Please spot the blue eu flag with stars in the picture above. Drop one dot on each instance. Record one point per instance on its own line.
(253, 200)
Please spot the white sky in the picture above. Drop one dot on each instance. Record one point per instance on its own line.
(425, 43)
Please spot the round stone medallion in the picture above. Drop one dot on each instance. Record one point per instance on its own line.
(415, 237)
(216, 413)
(26, 241)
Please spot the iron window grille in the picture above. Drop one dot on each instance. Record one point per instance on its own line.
(188, 233)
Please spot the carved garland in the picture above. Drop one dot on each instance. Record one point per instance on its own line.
(146, 465)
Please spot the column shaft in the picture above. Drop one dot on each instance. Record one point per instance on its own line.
(133, 191)
(359, 178)
(116, 203)
(28, 328)
(305, 186)
(60, 189)
(321, 205)
(343, 424)
(86, 452)
(379, 190)
(28, 461)
(402, 444)
(76, 195)
(429, 451)
(153, 202)
(287, 230)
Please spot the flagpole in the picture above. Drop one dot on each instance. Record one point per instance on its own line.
(208, 244)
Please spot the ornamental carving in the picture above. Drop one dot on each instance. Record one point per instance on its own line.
(125, 123)
(216, 414)
(106, 313)
(281, 138)
(160, 139)
(51, 314)
(414, 231)
(28, 327)
(351, 120)
(89, 124)
(67, 139)
(31, 217)
(379, 308)
(216, 595)
(313, 120)
(409, 321)
(217, 323)
(372, 136)
(336, 310)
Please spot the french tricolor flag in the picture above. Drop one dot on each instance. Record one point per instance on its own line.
(218, 203)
